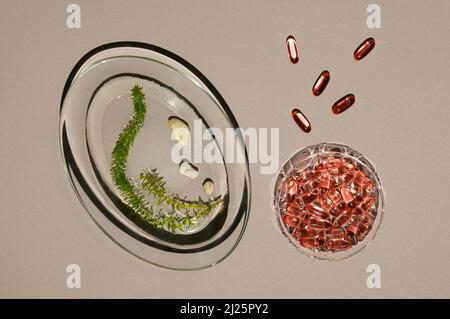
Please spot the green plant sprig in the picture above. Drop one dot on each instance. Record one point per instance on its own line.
(191, 210)
(184, 213)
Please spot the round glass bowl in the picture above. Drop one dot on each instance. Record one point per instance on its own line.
(328, 201)
(97, 103)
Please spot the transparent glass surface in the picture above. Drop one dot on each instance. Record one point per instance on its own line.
(95, 107)
(308, 158)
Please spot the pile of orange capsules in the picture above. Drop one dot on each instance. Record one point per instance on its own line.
(330, 205)
(321, 83)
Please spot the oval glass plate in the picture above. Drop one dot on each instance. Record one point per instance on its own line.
(97, 104)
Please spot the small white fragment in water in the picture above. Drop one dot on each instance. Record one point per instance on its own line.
(180, 130)
(187, 169)
(208, 186)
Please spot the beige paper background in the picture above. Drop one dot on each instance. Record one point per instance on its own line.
(400, 122)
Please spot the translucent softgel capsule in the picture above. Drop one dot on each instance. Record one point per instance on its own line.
(291, 44)
(343, 104)
(321, 83)
(342, 201)
(364, 49)
(346, 195)
(301, 120)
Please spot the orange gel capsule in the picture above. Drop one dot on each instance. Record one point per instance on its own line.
(319, 223)
(310, 186)
(342, 179)
(335, 198)
(292, 188)
(308, 198)
(340, 244)
(368, 188)
(321, 83)
(311, 242)
(358, 199)
(368, 219)
(301, 120)
(353, 227)
(290, 221)
(325, 180)
(327, 205)
(364, 49)
(360, 180)
(308, 242)
(315, 209)
(351, 204)
(362, 232)
(346, 195)
(291, 44)
(368, 203)
(293, 209)
(348, 165)
(334, 166)
(306, 176)
(335, 234)
(358, 212)
(343, 104)
(309, 232)
(297, 234)
(342, 220)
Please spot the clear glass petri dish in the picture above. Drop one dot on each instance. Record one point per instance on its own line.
(96, 105)
(328, 201)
